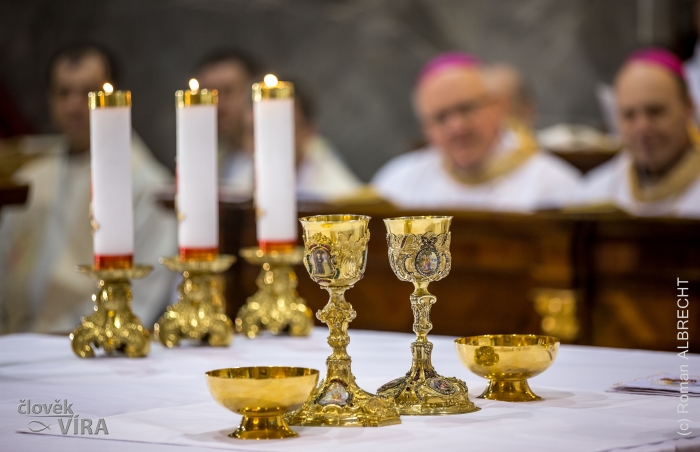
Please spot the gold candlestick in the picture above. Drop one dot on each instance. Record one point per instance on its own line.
(276, 306)
(199, 313)
(113, 326)
(558, 310)
(335, 256)
(419, 251)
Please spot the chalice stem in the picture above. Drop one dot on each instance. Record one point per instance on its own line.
(337, 314)
(421, 302)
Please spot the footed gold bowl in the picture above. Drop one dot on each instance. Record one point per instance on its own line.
(507, 360)
(262, 395)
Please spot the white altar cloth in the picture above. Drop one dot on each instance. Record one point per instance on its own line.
(161, 403)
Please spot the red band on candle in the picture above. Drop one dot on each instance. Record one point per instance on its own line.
(279, 246)
(112, 262)
(198, 254)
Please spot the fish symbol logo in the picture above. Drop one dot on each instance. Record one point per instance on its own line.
(38, 428)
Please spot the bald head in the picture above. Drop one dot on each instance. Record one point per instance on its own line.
(459, 114)
(654, 110)
(507, 82)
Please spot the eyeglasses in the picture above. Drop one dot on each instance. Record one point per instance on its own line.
(465, 110)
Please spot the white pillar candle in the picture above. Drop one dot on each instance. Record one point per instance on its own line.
(275, 186)
(110, 166)
(197, 185)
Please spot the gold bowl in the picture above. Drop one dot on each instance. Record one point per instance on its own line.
(262, 395)
(507, 360)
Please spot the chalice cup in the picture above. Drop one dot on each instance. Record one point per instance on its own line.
(419, 251)
(335, 254)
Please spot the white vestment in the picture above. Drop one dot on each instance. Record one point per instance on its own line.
(42, 242)
(321, 175)
(236, 171)
(421, 179)
(610, 184)
(692, 76)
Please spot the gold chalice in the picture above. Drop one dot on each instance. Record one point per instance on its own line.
(262, 395)
(419, 251)
(507, 360)
(335, 255)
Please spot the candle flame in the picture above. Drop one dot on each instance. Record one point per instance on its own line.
(270, 80)
(108, 88)
(194, 84)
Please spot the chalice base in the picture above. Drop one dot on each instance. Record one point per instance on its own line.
(339, 403)
(426, 393)
(263, 427)
(509, 391)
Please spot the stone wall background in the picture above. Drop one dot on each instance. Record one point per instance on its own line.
(358, 57)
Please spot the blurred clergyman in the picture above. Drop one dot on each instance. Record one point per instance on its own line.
(476, 157)
(659, 171)
(42, 242)
(692, 66)
(509, 83)
(321, 173)
(232, 74)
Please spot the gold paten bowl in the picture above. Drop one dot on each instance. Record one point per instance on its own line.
(262, 395)
(507, 360)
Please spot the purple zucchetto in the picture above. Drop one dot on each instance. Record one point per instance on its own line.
(445, 61)
(659, 57)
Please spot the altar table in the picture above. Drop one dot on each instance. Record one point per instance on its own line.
(161, 403)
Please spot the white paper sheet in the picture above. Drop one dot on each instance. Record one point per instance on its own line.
(663, 384)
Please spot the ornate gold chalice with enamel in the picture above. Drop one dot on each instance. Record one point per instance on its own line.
(335, 255)
(419, 251)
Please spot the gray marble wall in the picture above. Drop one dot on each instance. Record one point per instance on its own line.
(359, 57)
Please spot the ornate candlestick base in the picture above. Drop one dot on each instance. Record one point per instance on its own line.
(199, 311)
(335, 255)
(113, 326)
(276, 306)
(419, 251)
